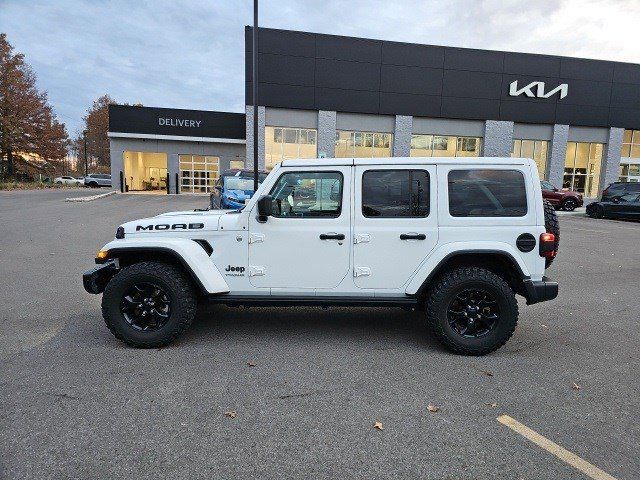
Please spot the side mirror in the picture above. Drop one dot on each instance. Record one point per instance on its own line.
(615, 199)
(265, 208)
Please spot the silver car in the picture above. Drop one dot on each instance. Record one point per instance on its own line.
(95, 180)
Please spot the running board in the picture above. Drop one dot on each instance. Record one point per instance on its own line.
(312, 301)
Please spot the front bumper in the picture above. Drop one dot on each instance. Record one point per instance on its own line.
(96, 279)
(540, 290)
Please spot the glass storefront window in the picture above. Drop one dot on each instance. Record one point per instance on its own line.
(538, 150)
(631, 144)
(582, 167)
(286, 143)
(444, 146)
(629, 172)
(198, 174)
(363, 144)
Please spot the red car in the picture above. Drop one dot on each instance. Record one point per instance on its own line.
(563, 199)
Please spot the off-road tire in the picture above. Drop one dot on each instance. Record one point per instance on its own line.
(447, 287)
(175, 284)
(552, 225)
(569, 205)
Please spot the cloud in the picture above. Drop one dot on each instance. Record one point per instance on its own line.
(190, 54)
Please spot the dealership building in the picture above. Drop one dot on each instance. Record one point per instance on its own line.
(331, 96)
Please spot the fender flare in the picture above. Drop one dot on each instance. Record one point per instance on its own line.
(187, 252)
(431, 266)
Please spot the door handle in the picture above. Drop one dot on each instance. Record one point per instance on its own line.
(413, 236)
(331, 236)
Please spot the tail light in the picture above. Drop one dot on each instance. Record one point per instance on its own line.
(547, 245)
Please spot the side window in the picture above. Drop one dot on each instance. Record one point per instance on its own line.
(308, 194)
(395, 193)
(487, 193)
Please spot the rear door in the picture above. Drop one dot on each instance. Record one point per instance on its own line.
(395, 223)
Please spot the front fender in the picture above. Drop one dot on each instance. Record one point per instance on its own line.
(447, 250)
(190, 254)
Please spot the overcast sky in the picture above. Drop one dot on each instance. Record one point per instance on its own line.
(190, 54)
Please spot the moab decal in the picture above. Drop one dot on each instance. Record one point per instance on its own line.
(167, 226)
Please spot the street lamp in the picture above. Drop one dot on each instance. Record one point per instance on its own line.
(255, 94)
(86, 166)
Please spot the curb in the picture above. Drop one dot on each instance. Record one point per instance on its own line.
(91, 198)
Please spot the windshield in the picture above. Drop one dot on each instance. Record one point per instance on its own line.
(241, 183)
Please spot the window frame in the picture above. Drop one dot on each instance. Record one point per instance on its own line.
(387, 170)
(527, 210)
(337, 214)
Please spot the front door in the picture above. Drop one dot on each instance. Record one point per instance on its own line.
(395, 226)
(305, 243)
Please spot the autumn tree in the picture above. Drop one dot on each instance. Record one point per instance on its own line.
(28, 124)
(96, 126)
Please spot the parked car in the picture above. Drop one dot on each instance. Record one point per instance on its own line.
(95, 180)
(68, 180)
(617, 189)
(562, 199)
(623, 206)
(234, 188)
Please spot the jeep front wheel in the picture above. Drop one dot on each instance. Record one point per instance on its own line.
(148, 304)
(472, 311)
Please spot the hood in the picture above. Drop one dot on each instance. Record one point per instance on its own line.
(176, 222)
(241, 194)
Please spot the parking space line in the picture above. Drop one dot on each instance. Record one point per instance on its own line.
(555, 449)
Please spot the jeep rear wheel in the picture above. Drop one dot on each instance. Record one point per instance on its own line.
(148, 304)
(472, 311)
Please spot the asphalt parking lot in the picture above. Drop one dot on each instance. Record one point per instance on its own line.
(76, 403)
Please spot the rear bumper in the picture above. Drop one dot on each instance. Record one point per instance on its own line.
(540, 290)
(96, 279)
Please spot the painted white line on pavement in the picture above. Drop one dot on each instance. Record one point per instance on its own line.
(90, 198)
(555, 449)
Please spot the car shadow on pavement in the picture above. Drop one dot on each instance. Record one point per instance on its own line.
(388, 327)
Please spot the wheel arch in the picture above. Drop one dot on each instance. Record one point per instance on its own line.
(500, 262)
(190, 257)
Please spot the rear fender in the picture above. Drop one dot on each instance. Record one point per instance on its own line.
(446, 251)
(189, 254)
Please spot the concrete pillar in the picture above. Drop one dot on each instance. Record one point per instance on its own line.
(249, 145)
(610, 169)
(117, 163)
(402, 136)
(498, 138)
(173, 167)
(558, 154)
(326, 133)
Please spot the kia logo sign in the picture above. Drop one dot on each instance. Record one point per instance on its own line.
(537, 90)
(179, 122)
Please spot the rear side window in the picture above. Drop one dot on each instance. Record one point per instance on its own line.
(487, 193)
(395, 193)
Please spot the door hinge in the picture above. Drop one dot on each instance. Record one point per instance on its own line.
(361, 238)
(255, 271)
(256, 238)
(361, 271)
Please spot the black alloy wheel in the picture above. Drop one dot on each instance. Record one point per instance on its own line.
(473, 313)
(569, 205)
(145, 307)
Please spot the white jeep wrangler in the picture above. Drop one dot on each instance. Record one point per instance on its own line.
(454, 237)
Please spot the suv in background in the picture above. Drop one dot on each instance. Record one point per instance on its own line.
(413, 233)
(234, 188)
(618, 189)
(564, 199)
(95, 180)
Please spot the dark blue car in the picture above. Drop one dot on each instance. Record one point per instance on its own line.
(234, 188)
